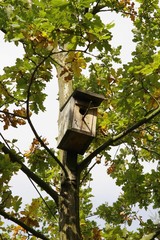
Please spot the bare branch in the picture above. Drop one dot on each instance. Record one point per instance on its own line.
(89, 170)
(23, 225)
(48, 207)
(116, 138)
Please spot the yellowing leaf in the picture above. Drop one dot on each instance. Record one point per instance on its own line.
(148, 237)
(77, 62)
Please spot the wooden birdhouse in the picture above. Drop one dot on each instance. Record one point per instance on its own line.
(78, 121)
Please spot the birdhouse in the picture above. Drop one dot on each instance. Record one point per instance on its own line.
(77, 126)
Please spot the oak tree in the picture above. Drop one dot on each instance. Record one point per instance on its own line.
(70, 36)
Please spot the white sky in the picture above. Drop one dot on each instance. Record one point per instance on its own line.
(104, 188)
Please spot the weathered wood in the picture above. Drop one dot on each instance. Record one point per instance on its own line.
(78, 117)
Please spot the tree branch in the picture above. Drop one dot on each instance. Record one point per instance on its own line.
(15, 158)
(23, 225)
(29, 119)
(118, 137)
(45, 146)
(97, 8)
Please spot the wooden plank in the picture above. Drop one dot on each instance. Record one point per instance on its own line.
(75, 141)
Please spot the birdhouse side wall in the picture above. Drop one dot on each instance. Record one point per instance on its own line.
(65, 119)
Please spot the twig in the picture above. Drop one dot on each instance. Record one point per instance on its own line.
(5, 141)
(89, 170)
(42, 198)
(88, 108)
(13, 114)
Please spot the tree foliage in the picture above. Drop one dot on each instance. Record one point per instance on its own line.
(128, 119)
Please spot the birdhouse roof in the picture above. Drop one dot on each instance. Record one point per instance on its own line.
(87, 96)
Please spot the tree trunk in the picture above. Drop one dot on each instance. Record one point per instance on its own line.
(69, 222)
(69, 201)
(65, 87)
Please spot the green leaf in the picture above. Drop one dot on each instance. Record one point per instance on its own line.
(16, 202)
(89, 15)
(59, 3)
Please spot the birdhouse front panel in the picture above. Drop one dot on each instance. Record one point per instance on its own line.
(84, 117)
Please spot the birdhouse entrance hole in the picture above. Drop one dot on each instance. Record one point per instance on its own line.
(82, 110)
(85, 108)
